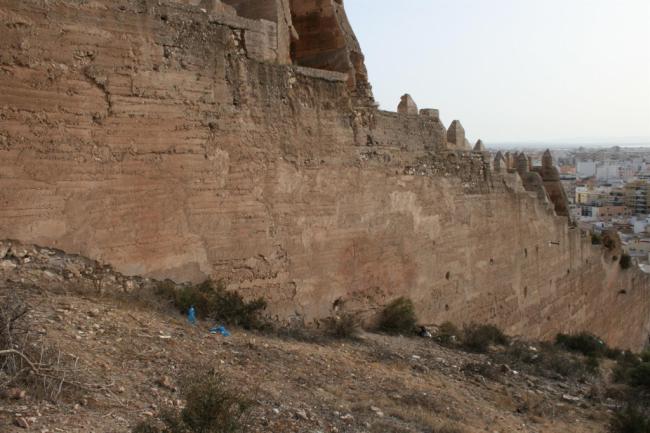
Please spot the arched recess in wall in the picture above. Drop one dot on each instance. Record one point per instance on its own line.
(321, 43)
(325, 39)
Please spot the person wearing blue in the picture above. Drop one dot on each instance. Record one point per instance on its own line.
(191, 315)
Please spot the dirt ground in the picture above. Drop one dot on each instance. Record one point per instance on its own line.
(134, 356)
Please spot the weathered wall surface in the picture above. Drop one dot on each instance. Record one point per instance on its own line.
(160, 139)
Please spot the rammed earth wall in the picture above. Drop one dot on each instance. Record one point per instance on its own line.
(166, 141)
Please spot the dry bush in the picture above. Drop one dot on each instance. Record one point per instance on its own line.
(27, 362)
(483, 369)
(547, 360)
(299, 333)
(447, 334)
(211, 406)
(536, 405)
(478, 338)
(14, 334)
(584, 343)
(448, 428)
(630, 420)
(346, 325)
(388, 426)
(398, 317)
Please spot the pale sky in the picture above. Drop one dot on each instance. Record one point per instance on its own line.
(514, 70)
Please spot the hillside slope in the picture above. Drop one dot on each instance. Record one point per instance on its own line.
(131, 356)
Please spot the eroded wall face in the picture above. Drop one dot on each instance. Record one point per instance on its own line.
(321, 42)
(325, 40)
(149, 138)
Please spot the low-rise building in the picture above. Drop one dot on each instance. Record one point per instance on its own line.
(604, 212)
(638, 247)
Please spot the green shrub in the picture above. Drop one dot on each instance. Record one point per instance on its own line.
(232, 309)
(567, 366)
(201, 296)
(625, 364)
(346, 325)
(548, 361)
(483, 369)
(212, 300)
(596, 239)
(479, 338)
(211, 407)
(398, 317)
(584, 343)
(166, 289)
(626, 261)
(203, 302)
(613, 353)
(630, 420)
(639, 375)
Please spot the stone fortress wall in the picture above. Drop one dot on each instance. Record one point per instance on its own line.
(238, 139)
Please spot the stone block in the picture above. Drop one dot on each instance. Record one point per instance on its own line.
(407, 105)
(430, 112)
(456, 135)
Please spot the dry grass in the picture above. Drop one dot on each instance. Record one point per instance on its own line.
(325, 377)
(346, 325)
(448, 428)
(26, 361)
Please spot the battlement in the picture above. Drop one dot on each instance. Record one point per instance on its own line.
(315, 39)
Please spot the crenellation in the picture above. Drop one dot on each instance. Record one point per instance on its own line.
(522, 164)
(456, 136)
(552, 184)
(405, 134)
(500, 165)
(430, 112)
(510, 161)
(407, 106)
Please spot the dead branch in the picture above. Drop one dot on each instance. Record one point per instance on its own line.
(22, 355)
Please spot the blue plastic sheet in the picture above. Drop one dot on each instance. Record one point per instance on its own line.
(220, 330)
(191, 315)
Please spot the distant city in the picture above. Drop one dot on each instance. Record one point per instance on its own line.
(607, 187)
(573, 144)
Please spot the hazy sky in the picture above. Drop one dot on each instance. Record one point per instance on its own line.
(514, 70)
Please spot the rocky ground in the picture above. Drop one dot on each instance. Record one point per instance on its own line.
(130, 356)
